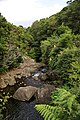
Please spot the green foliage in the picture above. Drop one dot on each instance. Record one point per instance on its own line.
(49, 112)
(70, 16)
(63, 106)
(62, 29)
(45, 48)
(44, 28)
(63, 98)
(14, 44)
(40, 30)
(67, 65)
(35, 53)
(76, 90)
(62, 38)
(74, 75)
(55, 41)
(60, 52)
(76, 40)
(3, 101)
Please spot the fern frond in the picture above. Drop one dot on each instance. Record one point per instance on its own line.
(49, 112)
(70, 102)
(64, 106)
(63, 98)
(60, 94)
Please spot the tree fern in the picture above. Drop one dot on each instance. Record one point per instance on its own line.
(63, 106)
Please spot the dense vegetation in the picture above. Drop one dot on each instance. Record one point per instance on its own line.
(40, 30)
(54, 41)
(14, 43)
(63, 106)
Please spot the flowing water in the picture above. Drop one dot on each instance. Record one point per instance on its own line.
(23, 110)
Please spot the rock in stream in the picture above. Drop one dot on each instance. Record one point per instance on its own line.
(24, 110)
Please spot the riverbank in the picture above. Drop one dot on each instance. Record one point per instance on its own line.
(24, 70)
(29, 73)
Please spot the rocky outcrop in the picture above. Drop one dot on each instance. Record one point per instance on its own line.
(43, 94)
(25, 93)
(7, 80)
(24, 70)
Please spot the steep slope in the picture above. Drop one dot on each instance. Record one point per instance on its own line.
(14, 43)
(40, 30)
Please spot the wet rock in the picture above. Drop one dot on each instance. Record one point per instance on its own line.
(36, 76)
(44, 93)
(40, 76)
(44, 70)
(25, 93)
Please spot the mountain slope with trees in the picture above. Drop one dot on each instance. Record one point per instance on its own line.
(40, 30)
(54, 41)
(14, 43)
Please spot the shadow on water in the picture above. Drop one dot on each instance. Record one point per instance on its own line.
(19, 110)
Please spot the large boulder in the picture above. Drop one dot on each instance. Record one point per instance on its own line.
(43, 94)
(25, 93)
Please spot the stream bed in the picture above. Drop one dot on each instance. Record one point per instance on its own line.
(18, 110)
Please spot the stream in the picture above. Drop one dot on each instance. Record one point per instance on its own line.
(23, 110)
(18, 110)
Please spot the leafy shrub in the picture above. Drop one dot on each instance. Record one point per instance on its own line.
(60, 52)
(35, 53)
(62, 38)
(67, 65)
(15, 42)
(63, 106)
(45, 49)
(62, 29)
(74, 75)
(64, 57)
(64, 42)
